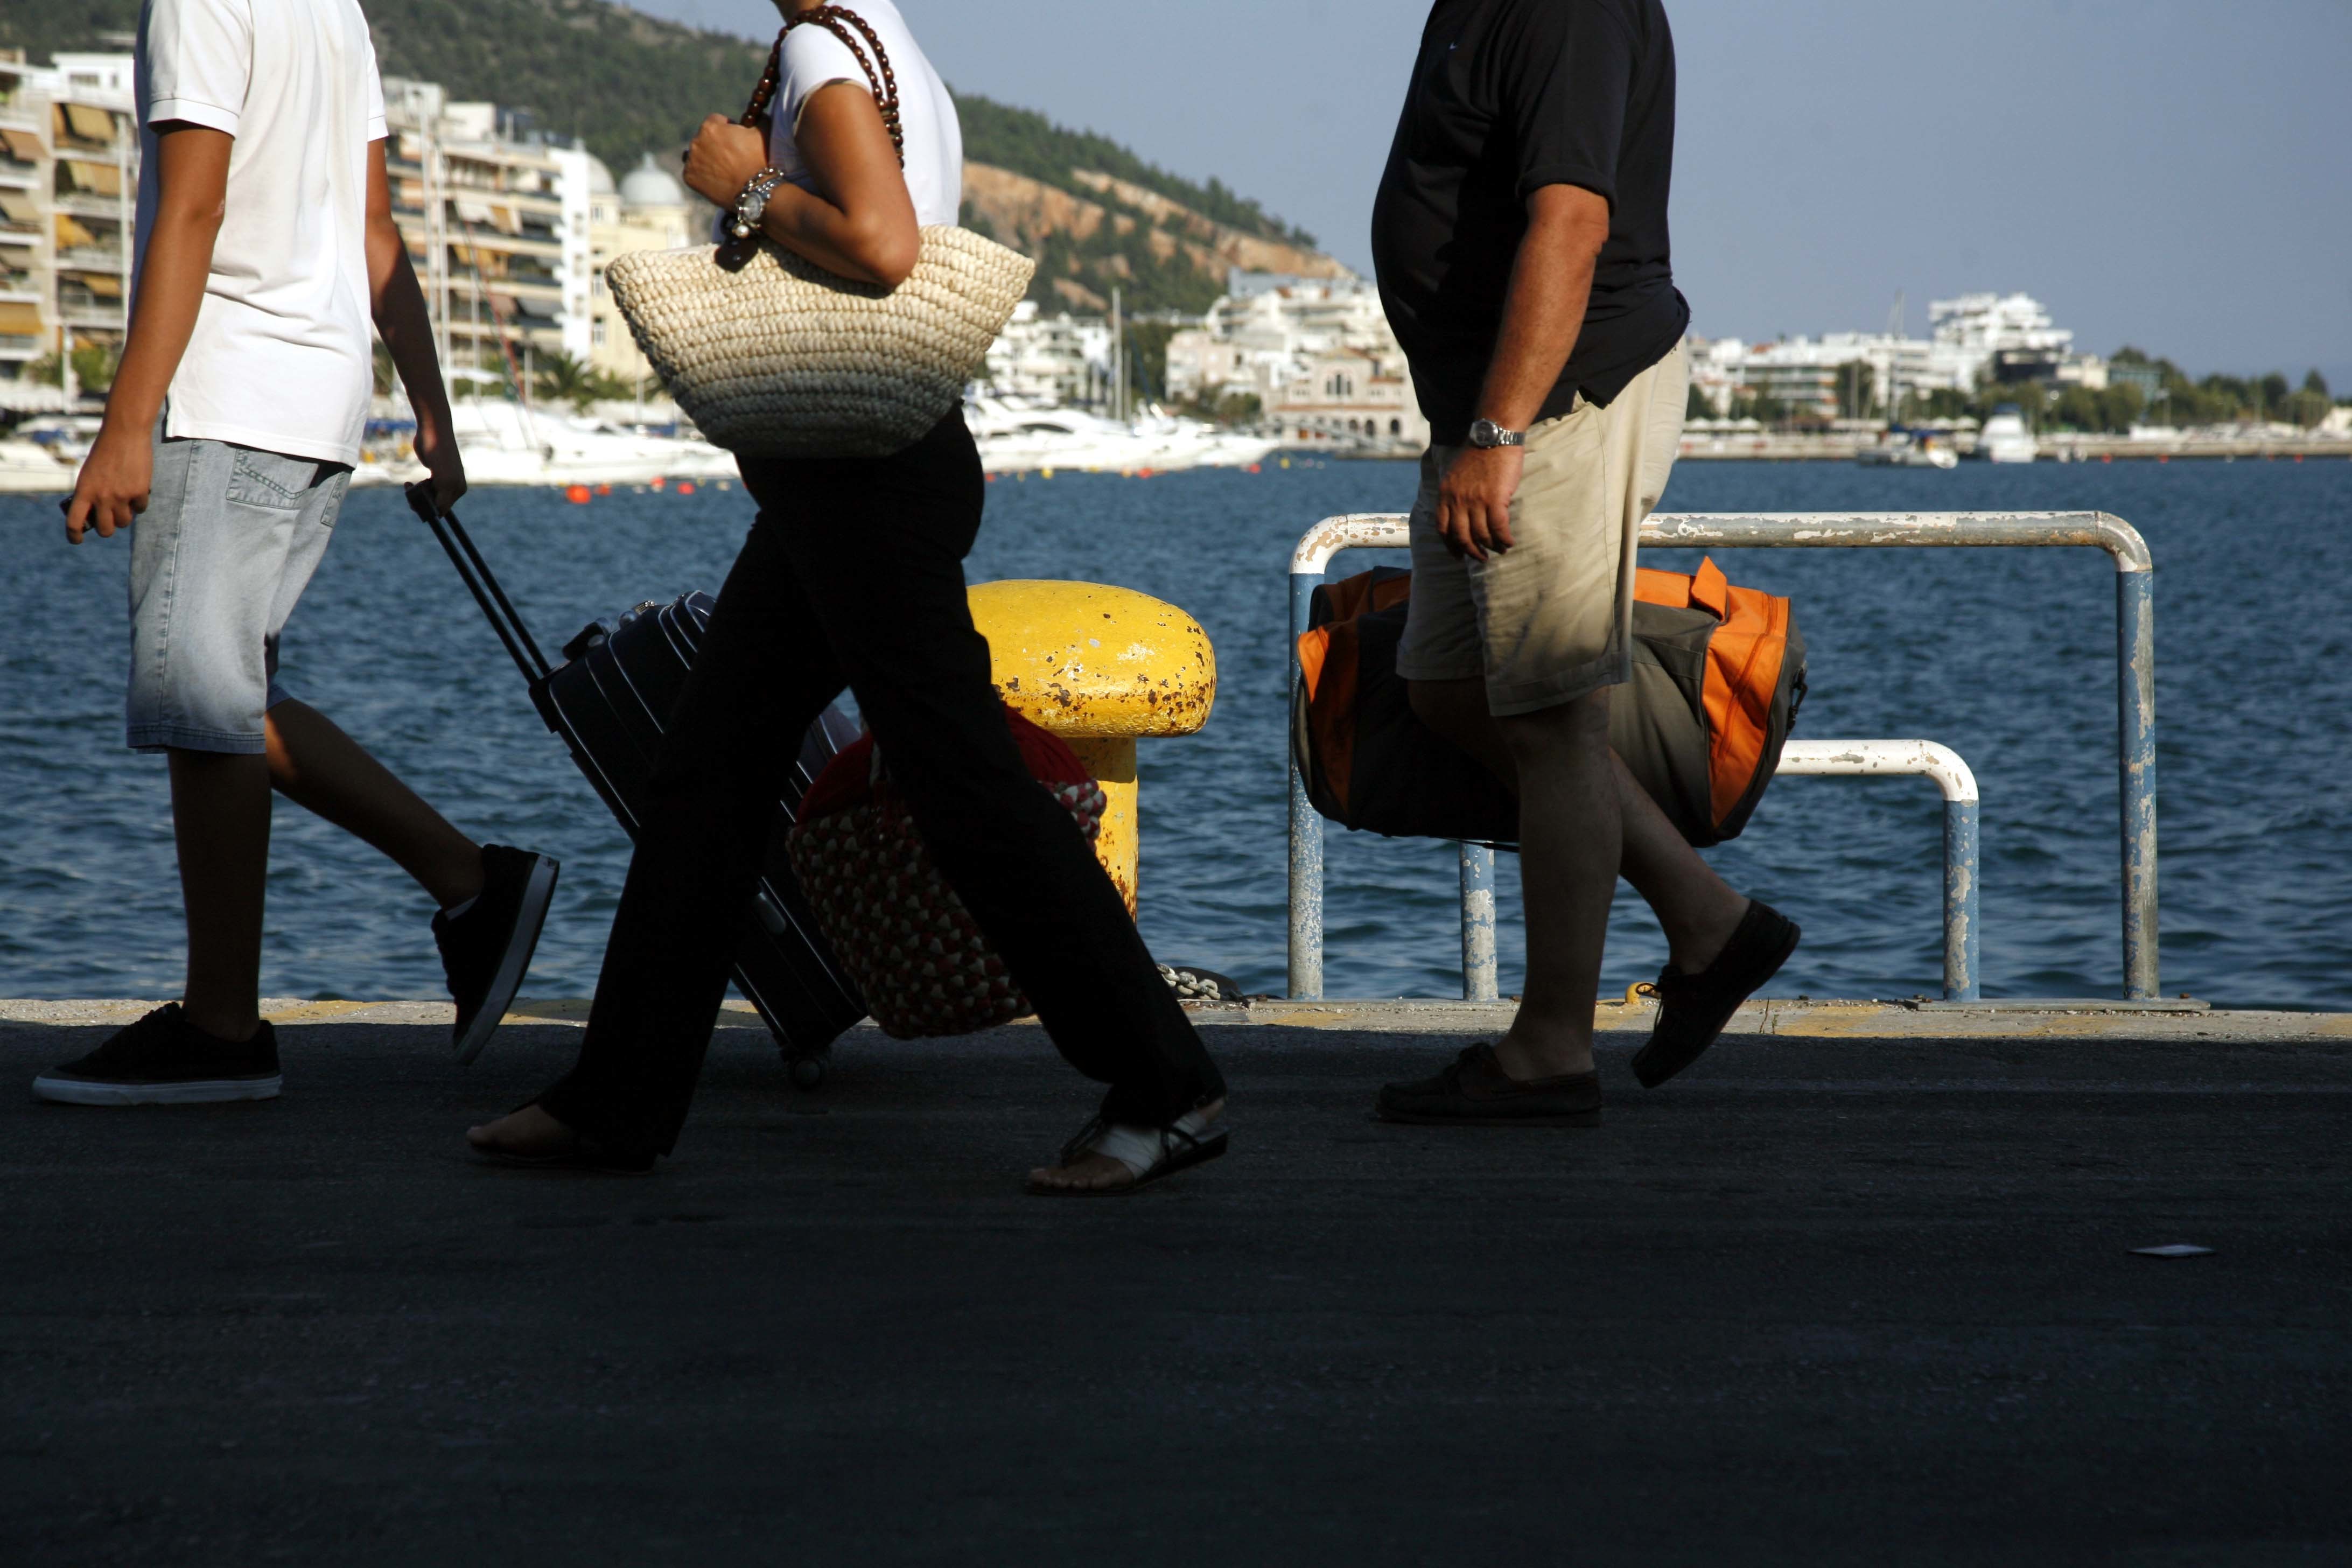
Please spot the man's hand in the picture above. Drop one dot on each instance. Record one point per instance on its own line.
(723, 159)
(438, 451)
(114, 484)
(1473, 499)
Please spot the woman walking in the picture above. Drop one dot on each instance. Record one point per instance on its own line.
(852, 576)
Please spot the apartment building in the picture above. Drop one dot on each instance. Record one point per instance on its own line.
(1059, 359)
(69, 179)
(497, 224)
(1316, 353)
(648, 209)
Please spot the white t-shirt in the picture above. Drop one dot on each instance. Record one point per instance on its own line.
(814, 56)
(282, 354)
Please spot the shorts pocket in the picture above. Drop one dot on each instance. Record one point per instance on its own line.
(267, 480)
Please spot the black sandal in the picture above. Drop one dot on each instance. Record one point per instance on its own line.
(1150, 1153)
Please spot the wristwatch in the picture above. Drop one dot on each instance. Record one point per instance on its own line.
(752, 204)
(1487, 433)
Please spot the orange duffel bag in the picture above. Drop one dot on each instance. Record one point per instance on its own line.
(1718, 677)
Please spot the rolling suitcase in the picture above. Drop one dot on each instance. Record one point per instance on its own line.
(607, 700)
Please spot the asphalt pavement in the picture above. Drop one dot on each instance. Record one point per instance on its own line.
(1820, 1301)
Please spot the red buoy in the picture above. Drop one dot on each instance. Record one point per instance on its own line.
(577, 495)
(686, 486)
(658, 483)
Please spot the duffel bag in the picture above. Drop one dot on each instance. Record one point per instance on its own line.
(898, 928)
(1718, 677)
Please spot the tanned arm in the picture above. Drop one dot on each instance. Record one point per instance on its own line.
(1551, 282)
(398, 306)
(861, 226)
(192, 180)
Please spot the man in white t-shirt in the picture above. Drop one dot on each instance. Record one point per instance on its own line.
(266, 248)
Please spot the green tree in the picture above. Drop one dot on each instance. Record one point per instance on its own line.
(1696, 406)
(1223, 406)
(559, 378)
(1855, 394)
(93, 368)
(2316, 383)
(1147, 359)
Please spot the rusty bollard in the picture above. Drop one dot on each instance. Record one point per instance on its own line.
(1099, 667)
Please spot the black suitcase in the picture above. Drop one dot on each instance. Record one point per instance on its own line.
(607, 702)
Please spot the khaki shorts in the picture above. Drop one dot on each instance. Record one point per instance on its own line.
(1551, 619)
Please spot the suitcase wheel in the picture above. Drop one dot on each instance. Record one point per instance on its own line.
(807, 1072)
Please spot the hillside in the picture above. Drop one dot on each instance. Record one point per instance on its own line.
(1092, 212)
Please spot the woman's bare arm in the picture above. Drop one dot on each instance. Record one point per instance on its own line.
(862, 224)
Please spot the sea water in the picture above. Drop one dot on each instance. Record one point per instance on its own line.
(2007, 656)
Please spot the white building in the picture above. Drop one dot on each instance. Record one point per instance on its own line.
(1318, 354)
(69, 182)
(498, 225)
(2010, 337)
(1060, 359)
(1976, 337)
(648, 209)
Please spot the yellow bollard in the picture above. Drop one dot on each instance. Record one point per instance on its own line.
(1099, 667)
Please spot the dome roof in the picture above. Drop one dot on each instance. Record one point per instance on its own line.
(600, 177)
(650, 186)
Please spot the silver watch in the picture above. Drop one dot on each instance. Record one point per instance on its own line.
(1487, 433)
(752, 204)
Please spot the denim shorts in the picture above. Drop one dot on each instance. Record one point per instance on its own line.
(226, 545)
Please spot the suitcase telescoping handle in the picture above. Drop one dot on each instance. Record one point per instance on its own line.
(483, 584)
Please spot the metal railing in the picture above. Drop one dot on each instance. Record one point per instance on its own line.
(2135, 719)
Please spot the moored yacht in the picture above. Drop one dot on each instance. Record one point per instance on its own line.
(1017, 435)
(28, 468)
(2005, 438)
(1905, 448)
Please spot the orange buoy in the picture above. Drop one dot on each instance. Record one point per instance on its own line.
(576, 494)
(658, 483)
(686, 486)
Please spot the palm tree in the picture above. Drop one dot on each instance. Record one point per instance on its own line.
(560, 378)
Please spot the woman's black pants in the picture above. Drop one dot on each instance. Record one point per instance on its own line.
(852, 576)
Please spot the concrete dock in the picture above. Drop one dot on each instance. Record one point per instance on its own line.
(1860, 1288)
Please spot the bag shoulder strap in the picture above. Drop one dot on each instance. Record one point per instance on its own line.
(857, 37)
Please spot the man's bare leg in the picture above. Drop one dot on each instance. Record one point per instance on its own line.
(1569, 849)
(220, 818)
(1698, 908)
(316, 765)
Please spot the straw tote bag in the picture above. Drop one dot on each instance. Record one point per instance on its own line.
(774, 356)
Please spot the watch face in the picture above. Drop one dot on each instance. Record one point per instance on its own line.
(1483, 431)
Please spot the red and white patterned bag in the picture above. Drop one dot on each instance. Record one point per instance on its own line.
(898, 926)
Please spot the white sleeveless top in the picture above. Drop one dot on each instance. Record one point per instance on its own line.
(815, 57)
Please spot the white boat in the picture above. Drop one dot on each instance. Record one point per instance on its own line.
(1018, 435)
(1909, 450)
(2005, 438)
(504, 443)
(28, 468)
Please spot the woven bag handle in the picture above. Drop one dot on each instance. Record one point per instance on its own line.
(838, 20)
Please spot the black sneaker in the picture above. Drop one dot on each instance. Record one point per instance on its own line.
(164, 1059)
(487, 951)
(1694, 1008)
(1474, 1091)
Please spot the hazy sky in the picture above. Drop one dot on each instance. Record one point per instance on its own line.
(2171, 175)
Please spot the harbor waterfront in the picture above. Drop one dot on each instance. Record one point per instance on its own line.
(2005, 656)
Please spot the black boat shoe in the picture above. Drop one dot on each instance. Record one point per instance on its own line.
(164, 1059)
(1474, 1091)
(486, 951)
(1694, 1008)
